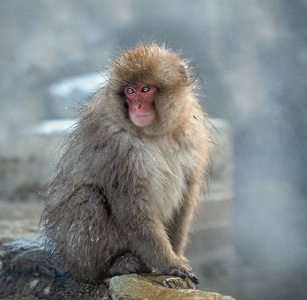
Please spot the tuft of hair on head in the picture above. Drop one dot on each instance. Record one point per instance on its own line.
(151, 63)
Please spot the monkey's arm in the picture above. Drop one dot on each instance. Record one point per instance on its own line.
(178, 228)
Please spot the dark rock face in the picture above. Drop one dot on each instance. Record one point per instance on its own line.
(26, 270)
(29, 272)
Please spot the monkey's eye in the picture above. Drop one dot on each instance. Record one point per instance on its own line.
(146, 89)
(130, 90)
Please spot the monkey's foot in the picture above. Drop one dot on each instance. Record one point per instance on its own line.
(126, 264)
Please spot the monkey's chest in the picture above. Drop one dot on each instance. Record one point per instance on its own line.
(168, 186)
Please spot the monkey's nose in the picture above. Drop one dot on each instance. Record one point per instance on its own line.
(137, 106)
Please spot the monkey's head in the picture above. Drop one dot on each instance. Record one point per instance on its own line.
(150, 89)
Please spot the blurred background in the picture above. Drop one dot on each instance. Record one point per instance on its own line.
(252, 57)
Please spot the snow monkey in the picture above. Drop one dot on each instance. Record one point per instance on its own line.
(125, 190)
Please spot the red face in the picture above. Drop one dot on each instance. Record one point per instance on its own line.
(140, 99)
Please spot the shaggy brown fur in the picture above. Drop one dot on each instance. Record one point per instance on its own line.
(123, 196)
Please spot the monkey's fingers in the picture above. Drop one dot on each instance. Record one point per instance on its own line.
(184, 274)
(177, 272)
(193, 277)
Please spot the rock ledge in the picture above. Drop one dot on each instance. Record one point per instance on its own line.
(28, 272)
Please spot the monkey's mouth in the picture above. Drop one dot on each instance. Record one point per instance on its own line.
(142, 116)
(142, 120)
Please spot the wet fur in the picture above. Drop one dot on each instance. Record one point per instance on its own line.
(123, 191)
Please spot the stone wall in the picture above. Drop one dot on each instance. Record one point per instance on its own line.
(211, 249)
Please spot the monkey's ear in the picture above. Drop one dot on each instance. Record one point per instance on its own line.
(183, 72)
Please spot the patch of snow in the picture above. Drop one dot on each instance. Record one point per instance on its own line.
(86, 83)
(54, 126)
(33, 283)
(15, 245)
(47, 290)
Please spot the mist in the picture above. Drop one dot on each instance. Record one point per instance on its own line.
(252, 58)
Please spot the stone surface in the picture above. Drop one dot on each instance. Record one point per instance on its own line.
(28, 272)
(131, 287)
(27, 161)
(19, 221)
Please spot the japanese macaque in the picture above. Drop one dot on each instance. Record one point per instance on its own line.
(133, 169)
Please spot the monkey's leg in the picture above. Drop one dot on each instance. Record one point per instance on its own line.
(82, 231)
(127, 263)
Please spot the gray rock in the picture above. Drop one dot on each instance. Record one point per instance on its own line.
(28, 272)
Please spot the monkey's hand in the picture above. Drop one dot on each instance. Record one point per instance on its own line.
(183, 272)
